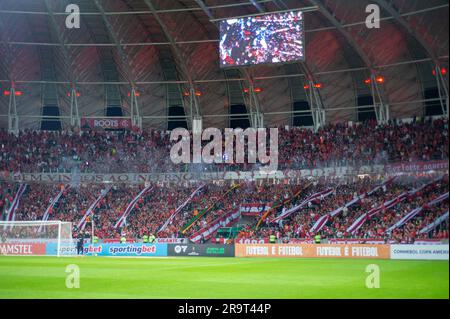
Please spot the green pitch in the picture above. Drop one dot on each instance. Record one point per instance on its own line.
(100, 277)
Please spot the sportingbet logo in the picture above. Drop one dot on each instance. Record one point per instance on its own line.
(93, 249)
(235, 141)
(137, 250)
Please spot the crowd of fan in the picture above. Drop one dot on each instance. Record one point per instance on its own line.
(223, 200)
(214, 200)
(342, 144)
(299, 225)
(377, 226)
(149, 151)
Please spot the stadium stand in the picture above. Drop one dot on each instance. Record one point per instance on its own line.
(333, 145)
(220, 149)
(147, 151)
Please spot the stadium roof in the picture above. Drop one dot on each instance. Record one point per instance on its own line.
(165, 48)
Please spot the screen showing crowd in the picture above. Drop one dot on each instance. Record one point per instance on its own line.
(272, 38)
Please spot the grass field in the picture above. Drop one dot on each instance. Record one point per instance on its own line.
(103, 277)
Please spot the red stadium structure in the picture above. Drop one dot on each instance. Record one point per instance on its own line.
(86, 117)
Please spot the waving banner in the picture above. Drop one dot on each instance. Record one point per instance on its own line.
(324, 219)
(386, 183)
(271, 210)
(320, 195)
(209, 230)
(434, 224)
(11, 213)
(386, 205)
(49, 209)
(209, 208)
(130, 207)
(91, 208)
(416, 211)
(180, 208)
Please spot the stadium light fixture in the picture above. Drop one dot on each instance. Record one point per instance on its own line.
(255, 90)
(380, 79)
(443, 71)
(316, 85)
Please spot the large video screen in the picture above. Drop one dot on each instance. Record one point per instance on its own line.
(272, 38)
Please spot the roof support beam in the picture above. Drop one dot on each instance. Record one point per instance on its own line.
(402, 21)
(175, 93)
(74, 114)
(136, 119)
(349, 25)
(441, 81)
(314, 97)
(377, 92)
(332, 18)
(141, 12)
(75, 120)
(283, 76)
(381, 110)
(194, 107)
(134, 106)
(9, 56)
(116, 41)
(256, 117)
(13, 118)
(252, 102)
(66, 55)
(205, 9)
(442, 90)
(257, 5)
